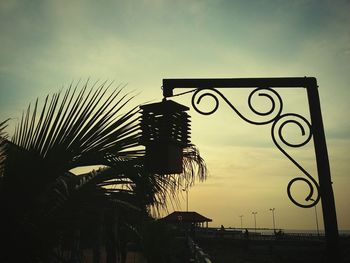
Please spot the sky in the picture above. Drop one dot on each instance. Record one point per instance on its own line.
(46, 45)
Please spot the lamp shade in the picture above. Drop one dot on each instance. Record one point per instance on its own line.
(165, 133)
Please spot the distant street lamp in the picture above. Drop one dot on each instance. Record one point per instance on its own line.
(273, 218)
(254, 214)
(186, 189)
(318, 231)
(241, 216)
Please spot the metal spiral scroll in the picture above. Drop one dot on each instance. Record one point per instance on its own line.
(305, 129)
(271, 95)
(279, 121)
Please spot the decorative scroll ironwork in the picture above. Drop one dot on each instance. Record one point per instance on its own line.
(279, 122)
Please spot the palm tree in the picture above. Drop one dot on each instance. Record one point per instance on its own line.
(43, 199)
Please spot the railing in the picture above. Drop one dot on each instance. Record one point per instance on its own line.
(199, 256)
(238, 234)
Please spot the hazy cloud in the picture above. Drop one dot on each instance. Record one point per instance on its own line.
(47, 44)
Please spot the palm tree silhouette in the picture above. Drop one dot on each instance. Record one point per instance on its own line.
(46, 208)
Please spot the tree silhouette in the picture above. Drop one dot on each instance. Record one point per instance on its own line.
(47, 210)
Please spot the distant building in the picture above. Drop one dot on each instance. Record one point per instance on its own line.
(192, 218)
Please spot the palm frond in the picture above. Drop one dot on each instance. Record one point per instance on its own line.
(155, 190)
(3, 139)
(82, 128)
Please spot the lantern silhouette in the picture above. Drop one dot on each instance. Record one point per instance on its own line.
(165, 133)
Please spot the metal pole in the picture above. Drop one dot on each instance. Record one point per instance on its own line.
(254, 214)
(273, 219)
(318, 230)
(170, 84)
(241, 216)
(186, 198)
(324, 175)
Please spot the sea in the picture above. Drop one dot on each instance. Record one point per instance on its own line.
(304, 232)
(311, 232)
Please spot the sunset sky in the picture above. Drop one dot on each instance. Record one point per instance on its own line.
(46, 45)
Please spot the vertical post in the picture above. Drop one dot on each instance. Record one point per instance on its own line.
(187, 199)
(318, 230)
(241, 216)
(254, 213)
(323, 169)
(273, 219)
(186, 189)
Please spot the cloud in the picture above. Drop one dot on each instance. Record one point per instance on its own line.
(7, 6)
(46, 45)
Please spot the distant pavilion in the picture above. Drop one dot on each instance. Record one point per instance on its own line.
(178, 217)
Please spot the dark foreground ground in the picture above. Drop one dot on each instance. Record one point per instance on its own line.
(234, 250)
(228, 250)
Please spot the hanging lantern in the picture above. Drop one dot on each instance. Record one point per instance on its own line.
(165, 133)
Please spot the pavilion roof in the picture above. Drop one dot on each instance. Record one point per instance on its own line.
(191, 217)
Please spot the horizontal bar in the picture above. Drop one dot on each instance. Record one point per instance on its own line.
(295, 82)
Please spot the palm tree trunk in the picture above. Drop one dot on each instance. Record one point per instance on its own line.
(75, 253)
(98, 243)
(111, 243)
